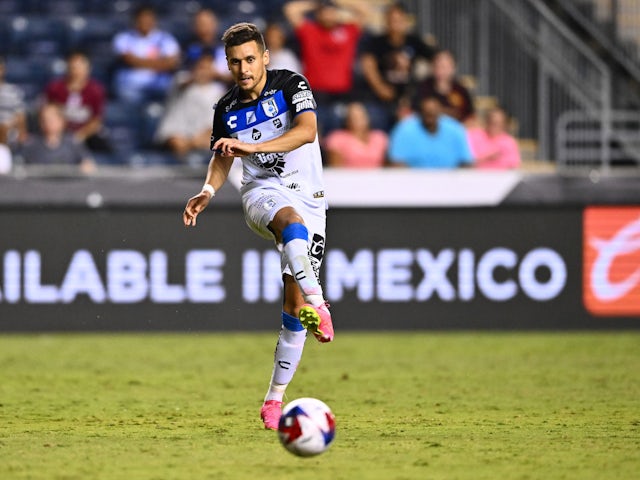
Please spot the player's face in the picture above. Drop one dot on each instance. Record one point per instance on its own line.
(247, 64)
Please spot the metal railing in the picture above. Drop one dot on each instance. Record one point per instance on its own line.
(615, 23)
(581, 147)
(521, 53)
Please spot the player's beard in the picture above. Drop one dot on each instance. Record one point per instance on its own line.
(252, 85)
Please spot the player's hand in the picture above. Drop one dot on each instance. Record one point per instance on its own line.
(195, 205)
(232, 147)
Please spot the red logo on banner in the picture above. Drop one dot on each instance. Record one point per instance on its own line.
(611, 239)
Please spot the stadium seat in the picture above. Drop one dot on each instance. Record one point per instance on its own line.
(10, 7)
(32, 74)
(179, 27)
(84, 30)
(63, 8)
(120, 9)
(15, 7)
(151, 116)
(4, 36)
(37, 35)
(122, 122)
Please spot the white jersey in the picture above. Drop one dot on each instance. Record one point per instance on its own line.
(285, 95)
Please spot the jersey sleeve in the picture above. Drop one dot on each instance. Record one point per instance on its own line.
(219, 131)
(298, 94)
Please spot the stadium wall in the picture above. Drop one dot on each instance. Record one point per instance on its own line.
(136, 268)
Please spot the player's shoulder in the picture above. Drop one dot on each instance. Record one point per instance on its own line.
(228, 100)
(282, 78)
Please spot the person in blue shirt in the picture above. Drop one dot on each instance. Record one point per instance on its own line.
(148, 58)
(429, 139)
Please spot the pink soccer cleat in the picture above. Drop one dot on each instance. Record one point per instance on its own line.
(317, 320)
(270, 414)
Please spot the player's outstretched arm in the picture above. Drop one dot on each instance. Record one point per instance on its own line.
(304, 131)
(216, 176)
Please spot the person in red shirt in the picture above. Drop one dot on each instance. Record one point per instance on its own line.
(82, 100)
(328, 49)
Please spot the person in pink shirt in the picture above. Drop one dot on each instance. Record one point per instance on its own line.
(492, 146)
(356, 146)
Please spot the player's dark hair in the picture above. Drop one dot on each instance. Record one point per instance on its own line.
(242, 33)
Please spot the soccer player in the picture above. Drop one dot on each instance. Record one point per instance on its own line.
(268, 119)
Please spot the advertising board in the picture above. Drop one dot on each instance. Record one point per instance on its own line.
(384, 269)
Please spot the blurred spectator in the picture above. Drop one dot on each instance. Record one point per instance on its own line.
(5, 159)
(389, 61)
(148, 56)
(205, 41)
(54, 146)
(82, 99)
(328, 46)
(443, 84)
(357, 146)
(429, 139)
(186, 124)
(13, 119)
(491, 145)
(280, 57)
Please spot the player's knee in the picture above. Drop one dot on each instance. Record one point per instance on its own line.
(283, 219)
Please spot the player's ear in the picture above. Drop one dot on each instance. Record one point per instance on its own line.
(266, 57)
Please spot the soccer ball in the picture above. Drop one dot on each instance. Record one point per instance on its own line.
(307, 427)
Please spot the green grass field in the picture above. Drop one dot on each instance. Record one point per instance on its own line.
(408, 406)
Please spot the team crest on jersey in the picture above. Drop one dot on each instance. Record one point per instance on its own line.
(270, 107)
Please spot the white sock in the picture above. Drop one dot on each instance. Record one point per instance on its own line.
(297, 252)
(286, 359)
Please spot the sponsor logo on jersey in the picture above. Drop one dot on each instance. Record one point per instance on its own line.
(270, 107)
(269, 92)
(319, 194)
(305, 105)
(277, 123)
(273, 162)
(231, 105)
(611, 260)
(300, 96)
(255, 134)
(251, 117)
